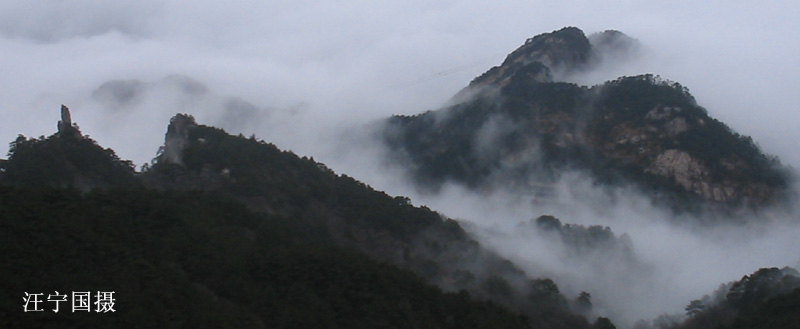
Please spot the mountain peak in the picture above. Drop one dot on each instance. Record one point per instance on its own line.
(560, 51)
(517, 127)
(564, 49)
(549, 57)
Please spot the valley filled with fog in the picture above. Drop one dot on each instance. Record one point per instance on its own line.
(318, 79)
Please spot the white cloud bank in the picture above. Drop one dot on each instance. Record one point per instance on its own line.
(300, 73)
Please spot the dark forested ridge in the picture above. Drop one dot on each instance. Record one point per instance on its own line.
(768, 298)
(65, 162)
(517, 125)
(227, 231)
(197, 259)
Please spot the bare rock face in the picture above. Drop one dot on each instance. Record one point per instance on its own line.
(177, 138)
(65, 127)
(691, 174)
(680, 166)
(676, 126)
(662, 112)
(66, 119)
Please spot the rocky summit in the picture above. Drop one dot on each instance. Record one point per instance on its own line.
(517, 125)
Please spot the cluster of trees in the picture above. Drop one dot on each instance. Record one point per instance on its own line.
(561, 126)
(768, 298)
(198, 259)
(244, 235)
(728, 155)
(442, 147)
(69, 160)
(585, 239)
(631, 97)
(446, 145)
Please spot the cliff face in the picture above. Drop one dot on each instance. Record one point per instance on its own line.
(656, 128)
(514, 125)
(177, 138)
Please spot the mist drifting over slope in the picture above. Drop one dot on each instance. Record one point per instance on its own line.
(314, 76)
(670, 264)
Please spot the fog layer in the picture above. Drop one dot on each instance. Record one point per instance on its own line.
(315, 76)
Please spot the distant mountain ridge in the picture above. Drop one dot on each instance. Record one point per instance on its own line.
(258, 237)
(546, 57)
(217, 215)
(517, 125)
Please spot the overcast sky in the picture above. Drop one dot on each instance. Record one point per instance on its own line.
(297, 73)
(326, 62)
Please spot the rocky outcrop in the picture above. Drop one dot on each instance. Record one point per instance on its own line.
(177, 138)
(560, 51)
(691, 175)
(680, 166)
(66, 119)
(65, 126)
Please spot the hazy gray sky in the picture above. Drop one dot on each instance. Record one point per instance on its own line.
(298, 73)
(334, 61)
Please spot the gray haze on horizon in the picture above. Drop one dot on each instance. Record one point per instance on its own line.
(304, 73)
(354, 61)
